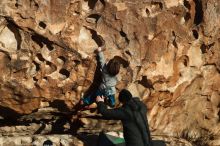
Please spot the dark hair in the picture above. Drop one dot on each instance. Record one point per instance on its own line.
(113, 67)
(48, 143)
(124, 96)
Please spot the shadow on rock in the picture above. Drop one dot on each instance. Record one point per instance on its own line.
(9, 116)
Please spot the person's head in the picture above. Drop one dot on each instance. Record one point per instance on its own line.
(113, 67)
(124, 96)
(48, 143)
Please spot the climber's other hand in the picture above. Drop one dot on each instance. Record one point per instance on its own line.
(99, 49)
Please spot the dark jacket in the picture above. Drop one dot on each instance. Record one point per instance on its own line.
(134, 121)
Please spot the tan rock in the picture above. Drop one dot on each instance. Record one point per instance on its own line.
(8, 42)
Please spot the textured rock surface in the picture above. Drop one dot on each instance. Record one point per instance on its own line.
(170, 51)
(58, 140)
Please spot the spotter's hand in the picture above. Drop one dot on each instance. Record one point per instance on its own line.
(100, 99)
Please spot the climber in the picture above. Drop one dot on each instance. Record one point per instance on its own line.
(109, 80)
(133, 116)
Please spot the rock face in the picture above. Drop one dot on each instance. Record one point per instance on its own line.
(57, 140)
(169, 50)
